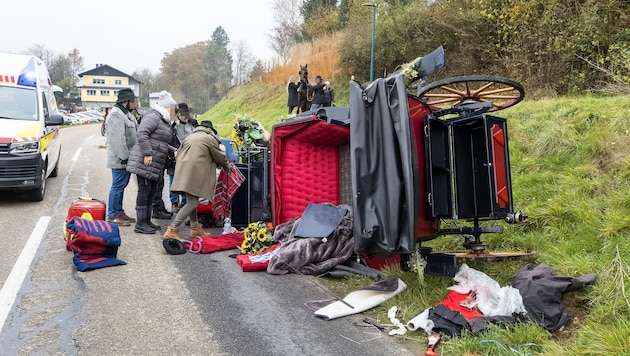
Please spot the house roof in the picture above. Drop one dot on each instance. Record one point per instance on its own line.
(107, 70)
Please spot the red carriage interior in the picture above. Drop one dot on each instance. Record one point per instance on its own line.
(310, 163)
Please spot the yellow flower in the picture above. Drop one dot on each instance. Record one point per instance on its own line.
(262, 235)
(244, 246)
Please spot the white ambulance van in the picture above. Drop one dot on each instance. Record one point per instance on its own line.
(30, 146)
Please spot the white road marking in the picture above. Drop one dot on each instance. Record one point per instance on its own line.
(77, 153)
(12, 285)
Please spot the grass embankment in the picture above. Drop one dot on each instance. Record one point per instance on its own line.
(570, 161)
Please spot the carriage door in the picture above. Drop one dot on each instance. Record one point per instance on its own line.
(468, 168)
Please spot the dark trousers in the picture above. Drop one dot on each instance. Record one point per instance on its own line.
(158, 202)
(146, 192)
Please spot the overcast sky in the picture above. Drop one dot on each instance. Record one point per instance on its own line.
(131, 35)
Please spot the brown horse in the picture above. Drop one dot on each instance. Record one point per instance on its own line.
(304, 102)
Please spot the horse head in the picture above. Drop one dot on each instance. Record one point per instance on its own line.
(303, 73)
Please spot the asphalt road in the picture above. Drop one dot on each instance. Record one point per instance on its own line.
(156, 304)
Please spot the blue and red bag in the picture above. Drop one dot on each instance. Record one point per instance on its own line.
(95, 243)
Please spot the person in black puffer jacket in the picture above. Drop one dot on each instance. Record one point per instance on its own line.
(148, 157)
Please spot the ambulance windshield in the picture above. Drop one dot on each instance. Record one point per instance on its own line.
(18, 103)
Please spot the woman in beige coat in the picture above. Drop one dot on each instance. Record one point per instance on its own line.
(196, 175)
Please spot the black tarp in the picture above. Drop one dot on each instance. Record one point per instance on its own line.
(382, 163)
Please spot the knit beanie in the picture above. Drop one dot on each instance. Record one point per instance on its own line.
(166, 100)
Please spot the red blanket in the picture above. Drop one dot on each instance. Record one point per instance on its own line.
(257, 261)
(214, 243)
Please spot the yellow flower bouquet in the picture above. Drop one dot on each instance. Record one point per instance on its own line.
(257, 237)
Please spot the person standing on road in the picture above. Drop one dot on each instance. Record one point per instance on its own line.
(292, 88)
(182, 128)
(121, 137)
(148, 157)
(196, 175)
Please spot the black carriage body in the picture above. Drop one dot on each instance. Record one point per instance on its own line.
(468, 167)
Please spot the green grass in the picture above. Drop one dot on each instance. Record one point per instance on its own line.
(570, 162)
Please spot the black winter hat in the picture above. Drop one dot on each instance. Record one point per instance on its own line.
(208, 124)
(125, 94)
(183, 108)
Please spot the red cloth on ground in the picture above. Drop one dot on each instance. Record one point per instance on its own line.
(452, 301)
(214, 243)
(227, 184)
(257, 261)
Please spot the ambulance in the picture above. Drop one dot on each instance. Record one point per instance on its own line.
(30, 146)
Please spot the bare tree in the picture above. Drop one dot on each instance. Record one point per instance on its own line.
(42, 53)
(76, 64)
(243, 62)
(287, 31)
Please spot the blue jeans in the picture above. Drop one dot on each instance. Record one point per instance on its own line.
(175, 198)
(120, 180)
(315, 106)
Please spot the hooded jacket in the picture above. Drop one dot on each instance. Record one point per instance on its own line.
(121, 135)
(153, 139)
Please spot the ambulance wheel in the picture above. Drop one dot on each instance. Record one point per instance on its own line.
(37, 194)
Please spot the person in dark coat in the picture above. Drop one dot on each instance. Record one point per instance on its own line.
(329, 95)
(148, 157)
(318, 90)
(182, 127)
(292, 89)
(196, 175)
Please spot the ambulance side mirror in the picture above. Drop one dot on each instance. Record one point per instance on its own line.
(54, 120)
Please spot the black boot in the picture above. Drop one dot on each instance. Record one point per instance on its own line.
(155, 226)
(142, 225)
(160, 214)
(150, 223)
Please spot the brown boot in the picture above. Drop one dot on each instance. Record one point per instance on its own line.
(198, 230)
(173, 233)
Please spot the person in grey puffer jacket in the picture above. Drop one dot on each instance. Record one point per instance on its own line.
(148, 157)
(121, 137)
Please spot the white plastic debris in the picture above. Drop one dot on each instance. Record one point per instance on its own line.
(391, 314)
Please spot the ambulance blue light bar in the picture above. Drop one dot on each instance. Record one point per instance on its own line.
(28, 77)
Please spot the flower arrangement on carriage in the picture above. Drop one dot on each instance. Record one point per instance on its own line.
(248, 133)
(257, 237)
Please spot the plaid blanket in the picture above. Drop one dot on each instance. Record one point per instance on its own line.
(227, 184)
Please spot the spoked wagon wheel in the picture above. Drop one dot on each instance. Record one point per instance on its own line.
(456, 91)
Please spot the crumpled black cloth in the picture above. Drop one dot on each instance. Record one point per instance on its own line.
(447, 321)
(542, 293)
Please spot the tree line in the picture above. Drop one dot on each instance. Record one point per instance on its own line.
(553, 47)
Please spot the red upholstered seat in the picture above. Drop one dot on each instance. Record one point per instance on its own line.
(305, 165)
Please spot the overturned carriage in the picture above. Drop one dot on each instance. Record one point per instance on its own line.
(404, 161)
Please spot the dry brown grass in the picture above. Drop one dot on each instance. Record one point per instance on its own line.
(321, 55)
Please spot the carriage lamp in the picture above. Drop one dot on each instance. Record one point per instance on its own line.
(373, 6)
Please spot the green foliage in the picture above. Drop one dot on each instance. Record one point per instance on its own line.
(550, 46)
